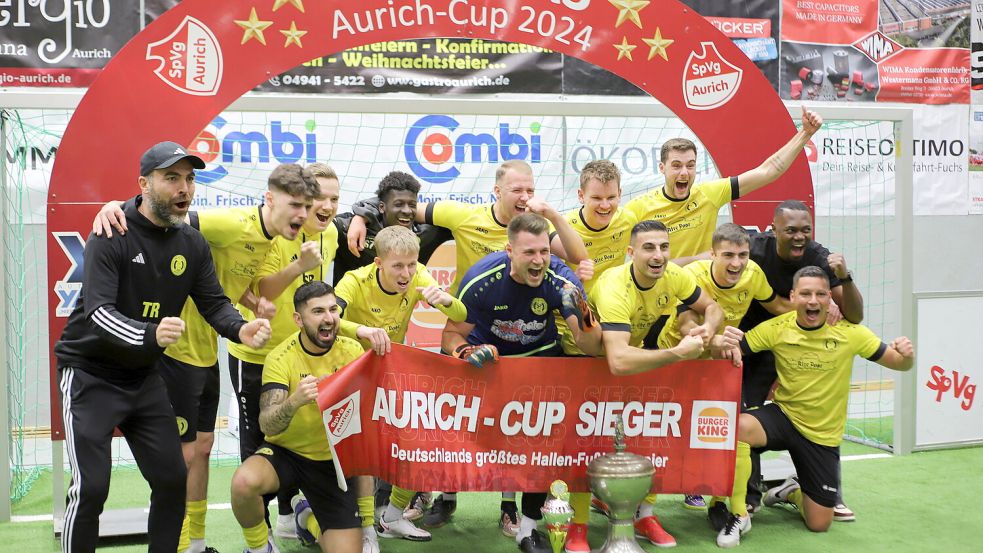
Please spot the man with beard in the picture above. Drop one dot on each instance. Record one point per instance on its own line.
(133, 289)
(634, 302)
(289, 264)
(512, 298)
(479, 230)
(239, 238)
(808, 415)
(690, 211)
(296, 453)
(780, 253)
(395, 204)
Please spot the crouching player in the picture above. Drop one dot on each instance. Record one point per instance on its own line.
(296, 451)
(807, 418)
(383, 295)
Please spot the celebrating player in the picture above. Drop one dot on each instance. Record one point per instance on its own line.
(780, 253)
(511, 298)
(296, 453)
(814, 361)
(383, 295)
(633, 302)
(688, 210)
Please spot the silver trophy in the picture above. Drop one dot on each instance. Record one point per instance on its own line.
(622, 480)
(557, 513)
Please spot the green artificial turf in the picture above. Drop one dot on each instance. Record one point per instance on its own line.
(921, 502)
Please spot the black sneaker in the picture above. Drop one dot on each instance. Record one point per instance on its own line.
(718, 515)
(440, 513)
(537, 542)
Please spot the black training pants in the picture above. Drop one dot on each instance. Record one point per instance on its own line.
(92, 407)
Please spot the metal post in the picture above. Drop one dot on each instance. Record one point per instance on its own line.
(905, 404)
(5, 402)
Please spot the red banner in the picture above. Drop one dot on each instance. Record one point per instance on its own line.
(426, 421)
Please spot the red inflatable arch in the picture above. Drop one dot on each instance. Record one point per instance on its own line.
(181, 71)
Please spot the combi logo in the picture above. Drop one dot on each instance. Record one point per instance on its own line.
(216, 144)
(714, 425)
(434, 150)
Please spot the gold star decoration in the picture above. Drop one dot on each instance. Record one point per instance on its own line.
(253, 28)
(658, 45)
(293, 35)
(624, 49)
(299, 4)
(628, 10)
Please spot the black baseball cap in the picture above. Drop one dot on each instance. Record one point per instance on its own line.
(165, 154)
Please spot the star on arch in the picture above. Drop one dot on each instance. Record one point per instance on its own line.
(624, 49)
(658, 45)
(299, 4)
(253, 28)
(628, 11)
(293, 35)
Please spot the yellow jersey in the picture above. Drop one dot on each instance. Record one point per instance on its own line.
(622, 305)
(733, 300)
(239, 243)
(364, 301)
(282, 253)
(476, 232)
(285, 366)
(607, 247)
(692, 220)
(814, 367)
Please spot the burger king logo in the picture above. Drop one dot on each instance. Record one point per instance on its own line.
(714, 425)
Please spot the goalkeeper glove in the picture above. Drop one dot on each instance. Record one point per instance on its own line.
(575, 302)
(476, 355)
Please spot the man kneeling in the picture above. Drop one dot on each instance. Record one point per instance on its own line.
(807, 418)
(296, 451)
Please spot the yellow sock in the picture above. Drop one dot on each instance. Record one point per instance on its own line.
(196, 518)
(400, 497)
(796, 498)
(312, 526)
(650, 498)
(742, 473)
(366, 510)
(257, 536)
(184, 542)
(580, 501)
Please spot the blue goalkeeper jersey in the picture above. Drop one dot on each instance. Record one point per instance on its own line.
(517, 319)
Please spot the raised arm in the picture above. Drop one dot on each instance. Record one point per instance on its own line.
(567, 244)
(779, 162)
(899, 355)
(846, 295)
(277, 407)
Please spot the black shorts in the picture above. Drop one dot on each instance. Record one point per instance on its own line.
(193, 392)
(333, 508)
(817, 465)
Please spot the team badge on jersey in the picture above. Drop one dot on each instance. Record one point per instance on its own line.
(178, 265)
(538, 306)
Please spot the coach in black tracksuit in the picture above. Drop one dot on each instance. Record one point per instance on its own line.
(133, 289)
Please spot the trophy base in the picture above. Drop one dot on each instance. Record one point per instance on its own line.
(620, 546)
